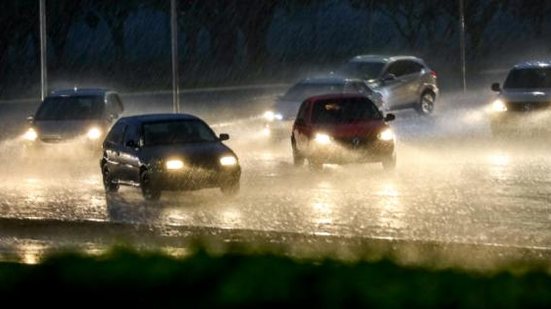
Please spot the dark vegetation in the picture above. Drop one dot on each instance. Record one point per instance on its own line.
(201, 280)
(126, 44)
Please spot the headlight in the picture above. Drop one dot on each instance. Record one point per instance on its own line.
(322, 139)
(271, 116)
(386, 135)
(174, 164)
(30, 135)
(499, 106)
(228, 161)
(94, 133)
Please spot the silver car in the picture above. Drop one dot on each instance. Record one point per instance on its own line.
(73, 115)
(278, 120)
(524, 102)
(404, 81)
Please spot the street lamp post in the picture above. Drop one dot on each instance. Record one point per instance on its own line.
(43, 51)
(462, 44)
(174, 34)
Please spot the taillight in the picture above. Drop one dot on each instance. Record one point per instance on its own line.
(433, 74)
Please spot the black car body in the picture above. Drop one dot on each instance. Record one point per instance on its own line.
(167, 152)
(73, 116)
(523, 104)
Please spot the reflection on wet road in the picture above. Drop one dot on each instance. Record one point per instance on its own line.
(453, 184)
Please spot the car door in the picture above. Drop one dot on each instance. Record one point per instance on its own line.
(129, 154)
(393, 84)
(112, 148)
(412, 81)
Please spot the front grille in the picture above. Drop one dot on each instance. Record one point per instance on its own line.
(524, 107)
(354, 142)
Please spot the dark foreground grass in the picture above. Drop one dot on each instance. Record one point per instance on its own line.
(132, 278)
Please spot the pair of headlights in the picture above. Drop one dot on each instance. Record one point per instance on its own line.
(93, 134)
(176, 164)
(272, 116)
(385, 135)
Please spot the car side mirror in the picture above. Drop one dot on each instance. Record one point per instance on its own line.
(224, 137)
(30, 119)
(390, 117)
(496, 87)
(389, 77)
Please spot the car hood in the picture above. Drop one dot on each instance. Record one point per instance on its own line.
(196, 154)
(526, 95)
(61, 130)
(364, 128)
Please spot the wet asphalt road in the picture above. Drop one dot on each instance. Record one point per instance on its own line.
(453, 184)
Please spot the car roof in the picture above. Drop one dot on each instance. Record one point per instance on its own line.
(328, 79)
(533, 64)
(336, 96)
(383, 58)
(79, 92)
(138, 119)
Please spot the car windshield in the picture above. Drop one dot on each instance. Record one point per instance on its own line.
(362, 70)
(530, 78)
(177, 132)
(344, 111)
(302, 91)
(71, 108)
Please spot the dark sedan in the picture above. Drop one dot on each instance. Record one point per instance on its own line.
(167, 152)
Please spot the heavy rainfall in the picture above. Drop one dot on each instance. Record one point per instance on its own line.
(455, 184)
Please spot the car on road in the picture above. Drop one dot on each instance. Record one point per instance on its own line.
(403, 81)
(278, 120)
(342, 128)
(167, 152)
(73, 116)
(523, 104)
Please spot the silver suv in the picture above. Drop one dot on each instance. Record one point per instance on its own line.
(524, 102)
(404, 81)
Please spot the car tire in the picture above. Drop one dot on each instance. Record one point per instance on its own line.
(389, 163)
(231, 188)
(149, 192)
(298, 159)
(426, 103)
(108, 181)
(315, 165)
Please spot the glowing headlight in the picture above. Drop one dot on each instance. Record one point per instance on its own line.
(228, 161)
(386, 135)
(322, 139)
(30, 135)
(271, 116)
(174, 165)
(499, 106)
(94, 133)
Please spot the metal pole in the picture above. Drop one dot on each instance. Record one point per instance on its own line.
(43, 51)
(174, 33)
(370, 28)
(462, 45)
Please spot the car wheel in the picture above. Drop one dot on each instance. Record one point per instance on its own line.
(108, 182)
(298, 159)
(149, 192)
(389, 163)
(315, 165)
(231, 188)
(426, 103)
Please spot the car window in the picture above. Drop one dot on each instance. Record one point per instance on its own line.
(362, 70)
(412, 67)
(302, 111)
(529, 78)
(71, 108)
(397, 68)
(132, 133)
(116, 134)
(177, 132)
(344, 111)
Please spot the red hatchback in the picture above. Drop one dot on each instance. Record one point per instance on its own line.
(340, 129)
